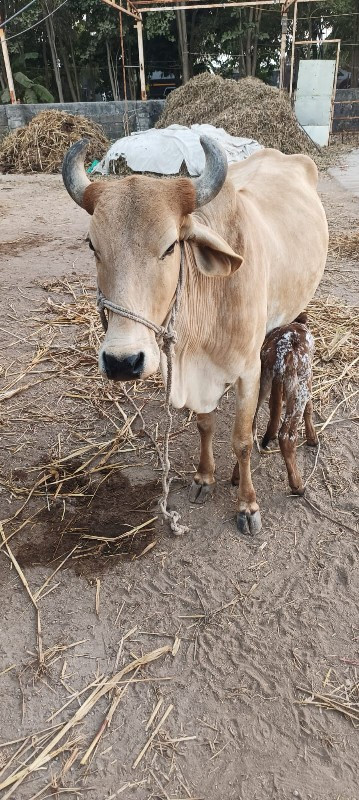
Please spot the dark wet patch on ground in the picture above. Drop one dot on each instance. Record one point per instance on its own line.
(101, 532)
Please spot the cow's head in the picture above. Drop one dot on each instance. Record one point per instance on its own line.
(136, 227)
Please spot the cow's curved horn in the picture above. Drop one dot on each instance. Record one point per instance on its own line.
(73, 171)
(212, 179)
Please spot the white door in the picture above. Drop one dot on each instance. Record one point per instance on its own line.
(314, 97)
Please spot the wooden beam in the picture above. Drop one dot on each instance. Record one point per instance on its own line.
(317, 41)
(173, 4)
(131, 13)
(334, 85)
(139, 27)
(205, 5)
(225, 4)
(284, 20)
(293, 48)
(8, 69)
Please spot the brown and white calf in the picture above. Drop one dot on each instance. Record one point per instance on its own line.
(286, 358)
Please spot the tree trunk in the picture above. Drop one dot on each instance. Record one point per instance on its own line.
(249, 43)
(55, 61)
(46, 65)
(355, 50)
(110, 72)
(310, 31)
(68, 73)
(242, 63)
(191, 40)
(255, 42)
(183, 45)
(75, 73)
(132, 75)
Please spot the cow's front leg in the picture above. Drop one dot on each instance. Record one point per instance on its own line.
(248, 516)
(204, 480)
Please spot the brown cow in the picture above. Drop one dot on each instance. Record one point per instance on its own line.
(254, 248)
(286, 357)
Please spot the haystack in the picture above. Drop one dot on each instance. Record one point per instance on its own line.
(42, 144)
(247, 107)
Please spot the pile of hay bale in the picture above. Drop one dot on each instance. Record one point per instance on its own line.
(42, 144)
(247, 107)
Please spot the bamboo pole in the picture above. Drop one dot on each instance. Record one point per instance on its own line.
(5, 53)
(293, 48)
(284, 19)
(139, 26)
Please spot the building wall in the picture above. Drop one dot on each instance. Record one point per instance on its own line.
(141, 114)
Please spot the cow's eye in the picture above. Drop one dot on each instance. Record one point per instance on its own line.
(169, 250)
(90, 245)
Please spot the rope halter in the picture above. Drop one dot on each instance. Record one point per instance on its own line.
(162, 332)
(166, 337)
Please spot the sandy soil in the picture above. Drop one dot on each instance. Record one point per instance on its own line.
(260, 621)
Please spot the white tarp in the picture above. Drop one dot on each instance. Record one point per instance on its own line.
(163, 150)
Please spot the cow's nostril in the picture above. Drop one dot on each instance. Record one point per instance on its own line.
(123, 369)
(138, 362)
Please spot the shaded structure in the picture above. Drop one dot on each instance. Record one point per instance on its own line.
(138, 7)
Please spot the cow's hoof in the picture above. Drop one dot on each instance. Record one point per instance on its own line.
(199, 493)
(249, 523)
(312, 442)
(266, 441)
(299, 491)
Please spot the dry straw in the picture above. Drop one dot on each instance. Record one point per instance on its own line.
(41, 145)
(345, 244)
(106, 685)
(247, 108)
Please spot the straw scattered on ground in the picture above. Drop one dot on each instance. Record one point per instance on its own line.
(50, 746)
(42, 144)
(345, 244)
(339, 693)
(73, 359)
(335, 326)
(247, 107)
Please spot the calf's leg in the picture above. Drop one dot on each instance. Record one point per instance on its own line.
(310, 432)
(287, 437)
(248, 517)
(204, 480)
(275, 410)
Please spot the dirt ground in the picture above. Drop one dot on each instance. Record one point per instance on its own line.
(260, 674)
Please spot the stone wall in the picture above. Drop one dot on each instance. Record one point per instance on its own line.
(141, 114)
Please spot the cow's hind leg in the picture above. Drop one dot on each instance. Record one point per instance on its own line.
(204, 480)
(248, 516)
(264, 391)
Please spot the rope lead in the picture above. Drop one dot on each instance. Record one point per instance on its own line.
(167, 338)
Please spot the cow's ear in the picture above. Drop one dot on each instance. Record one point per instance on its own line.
(92, 194)
(212, 254)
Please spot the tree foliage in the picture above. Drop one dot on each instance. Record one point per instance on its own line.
(75, 54)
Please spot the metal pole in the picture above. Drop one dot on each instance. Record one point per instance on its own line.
(141, 59)
(293, 48)
(282, 49)
(7, 66)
